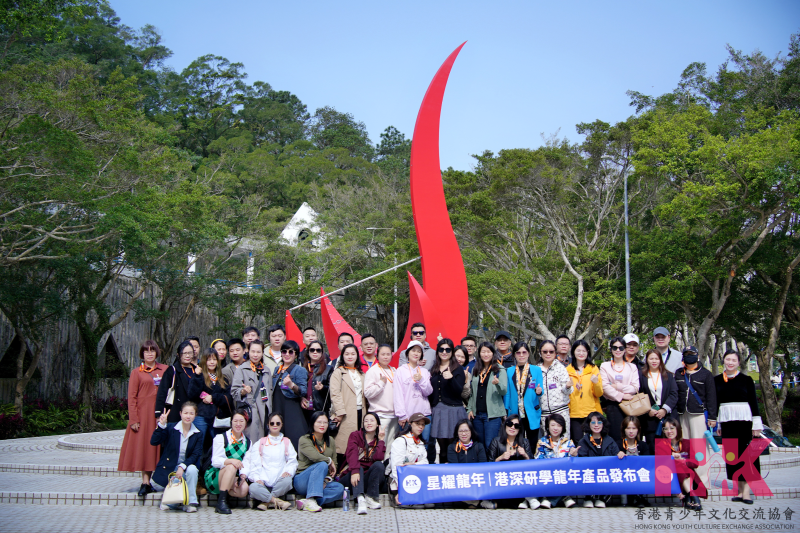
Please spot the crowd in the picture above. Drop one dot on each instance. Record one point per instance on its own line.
(244, 418)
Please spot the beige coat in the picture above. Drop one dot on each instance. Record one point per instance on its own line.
(343, 403)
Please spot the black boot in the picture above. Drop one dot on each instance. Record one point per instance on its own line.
(222, 503)
(145, 489)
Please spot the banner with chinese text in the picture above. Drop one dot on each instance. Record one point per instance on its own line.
(551, 477)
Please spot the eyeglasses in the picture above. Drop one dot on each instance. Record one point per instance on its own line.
(596, 422)
(548, 351)
(521, 352)
(315, 350)
(511, 424)
(275, 424)
(617, 348)
(465, 430)
(418, 333)
(287, 352)
(445, 350)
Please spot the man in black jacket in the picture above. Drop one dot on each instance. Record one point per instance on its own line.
(697, 394)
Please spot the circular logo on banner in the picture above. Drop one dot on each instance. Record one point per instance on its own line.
(412, 484)
(663, 474)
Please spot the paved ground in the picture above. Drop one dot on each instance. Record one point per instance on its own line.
(85, 466)
(80, 519)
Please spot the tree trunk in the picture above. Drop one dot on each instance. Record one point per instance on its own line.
(24, 376)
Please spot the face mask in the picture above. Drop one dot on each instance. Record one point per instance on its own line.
(690, 359)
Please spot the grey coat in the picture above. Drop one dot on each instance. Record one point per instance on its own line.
(242, 376)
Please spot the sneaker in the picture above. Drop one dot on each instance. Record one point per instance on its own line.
(372, 504)
(164, 507)
(545, 503)
(488, 504)
(533, 503)
(362, 505)
(599, 503)
(522, 505)
(569, 502)
(189, 509)
(308, 504)
(588, 503)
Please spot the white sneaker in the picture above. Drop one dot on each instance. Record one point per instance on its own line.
(189, 509)
(568, 502)
(588, 502)
(545, 503)
(488, 504)
(372, 504)
(164, 507)
(362, 505)
(533, 503)
(308, 504)
(522, 505)
(599, 503)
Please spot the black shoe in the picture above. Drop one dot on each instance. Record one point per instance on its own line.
(145, 489)
(222, 503)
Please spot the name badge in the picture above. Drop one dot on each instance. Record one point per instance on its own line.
(552, 386)
(618, 378)
(264, 394)
(532, 385)
(156, 380)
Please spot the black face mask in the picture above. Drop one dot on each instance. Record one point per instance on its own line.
(690, 358)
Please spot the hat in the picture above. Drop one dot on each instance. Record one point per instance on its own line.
(416, 417)
(415, 343)
(503, 333)
(631, 337)
(661, 331)
(690, 349)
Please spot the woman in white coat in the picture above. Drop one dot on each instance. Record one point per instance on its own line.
(269, 466)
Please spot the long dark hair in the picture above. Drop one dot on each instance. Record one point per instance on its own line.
(614, 341)
(306, 359)
(453, 364)
(479, 365)
(313, 421)
(573, 361)
(662, 369)
(517, 346)
(357, 364)
(504, 433)
(377, 429)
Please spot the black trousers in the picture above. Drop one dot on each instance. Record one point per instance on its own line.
(369, 482)
(576, 429)
(742, 431)
(614, 415)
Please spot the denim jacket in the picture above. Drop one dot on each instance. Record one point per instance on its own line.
(299, 377)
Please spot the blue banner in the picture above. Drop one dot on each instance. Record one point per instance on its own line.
(541, 478)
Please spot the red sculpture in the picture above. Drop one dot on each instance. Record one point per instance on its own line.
(293, 333)
(443, 304)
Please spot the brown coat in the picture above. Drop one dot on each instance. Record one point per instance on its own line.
(343, 403)
(137, 454)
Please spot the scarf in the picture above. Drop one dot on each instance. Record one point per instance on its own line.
(521, 378)
(463, 447)
(257, 368)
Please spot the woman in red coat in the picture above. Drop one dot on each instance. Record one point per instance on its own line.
(137, 455)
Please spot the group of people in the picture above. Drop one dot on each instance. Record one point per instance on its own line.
(249, 418)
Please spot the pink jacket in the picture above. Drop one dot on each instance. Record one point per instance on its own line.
(614, 388)
(411, 397)
(379, 393)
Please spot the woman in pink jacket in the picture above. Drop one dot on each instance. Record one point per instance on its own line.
(412, 386)
(620, 382)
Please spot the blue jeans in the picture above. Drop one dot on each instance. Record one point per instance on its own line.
(486, 428)
(202, 425)
(310, 483)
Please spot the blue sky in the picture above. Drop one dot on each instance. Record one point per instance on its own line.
(529, 68)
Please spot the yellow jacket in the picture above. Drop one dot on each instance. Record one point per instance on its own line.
(581, 406)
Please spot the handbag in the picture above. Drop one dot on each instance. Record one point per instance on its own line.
(333, 427)
(176, 492)
(636, 406)
(171, 393)
(224, 422)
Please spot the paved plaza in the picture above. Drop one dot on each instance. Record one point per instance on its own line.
(70, 483)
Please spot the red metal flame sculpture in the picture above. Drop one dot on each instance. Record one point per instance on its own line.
(443, 304)
(293, 333)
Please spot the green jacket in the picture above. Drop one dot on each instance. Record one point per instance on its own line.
(308, 454)
(495, 395)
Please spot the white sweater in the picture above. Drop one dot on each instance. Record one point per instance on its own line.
(268, 458)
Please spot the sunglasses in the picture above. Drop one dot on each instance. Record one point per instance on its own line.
(511, 424)
(275, 424)
(549, 351)
(617, 348)
(521, 352)
(315, 350)
(445, 350)
(418, 333)
(287, 352)
(596, 422)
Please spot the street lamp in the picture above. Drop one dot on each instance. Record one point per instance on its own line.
(395, 281)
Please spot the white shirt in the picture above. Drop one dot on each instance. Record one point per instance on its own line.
(268, 458)
(356, 377)
(218, 455)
